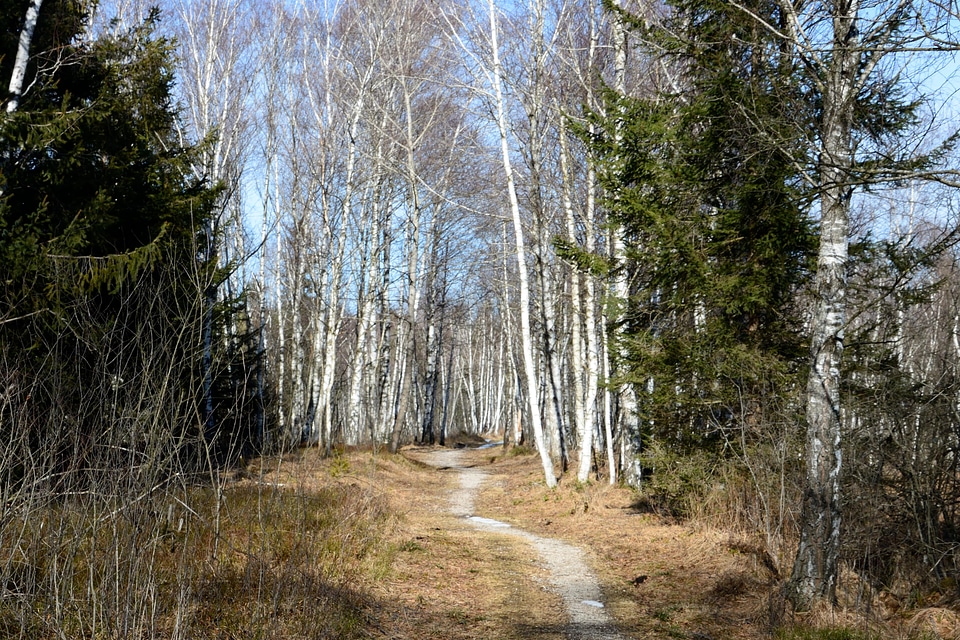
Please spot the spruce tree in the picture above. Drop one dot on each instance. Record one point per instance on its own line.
(103, 251)
(783, 110)
(704, 179)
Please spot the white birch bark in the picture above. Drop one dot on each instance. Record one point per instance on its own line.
(583, 412)
(416, 129)
(333, 319)
(535, 104)
(842, 50)
(816, 565)
(529, 366)
(428, 432)
(366, 301)
(330, 105)
(596, 410)
(368, 227)
(406, 344)
(626, 393)
(19, 72)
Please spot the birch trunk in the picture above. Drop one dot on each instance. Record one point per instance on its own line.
(23, 55)
(583, 423)
(628, 427)
(405, 337)
(529, 366)
(365, 317)
(375, 219)
(815, 568)
(281, 321)
(335, 281)
(428, 433)
(536, 117)
(595, 339)
(384, 352)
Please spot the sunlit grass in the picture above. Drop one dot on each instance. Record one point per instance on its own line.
(251, 561)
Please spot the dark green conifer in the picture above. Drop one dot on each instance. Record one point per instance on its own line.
(106, 271)
(705, 181)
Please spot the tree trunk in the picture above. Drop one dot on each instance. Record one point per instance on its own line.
(405, 333)
(23, 55)
(628, 426)
(529, 366)
(584, 424)
(815, 568)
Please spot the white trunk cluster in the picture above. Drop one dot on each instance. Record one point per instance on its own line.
(408, 283)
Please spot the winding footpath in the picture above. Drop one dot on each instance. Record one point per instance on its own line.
(570, 576)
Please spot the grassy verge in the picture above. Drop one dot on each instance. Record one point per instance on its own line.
(696, 579)
(248, 559)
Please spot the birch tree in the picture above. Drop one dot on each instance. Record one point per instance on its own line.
(480, 48)
(856, 55)
(580, 59)
(529, 366)
(23, 55)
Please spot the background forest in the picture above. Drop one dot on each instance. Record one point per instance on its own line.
(637, 237)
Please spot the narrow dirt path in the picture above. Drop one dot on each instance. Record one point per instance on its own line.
(570, 577)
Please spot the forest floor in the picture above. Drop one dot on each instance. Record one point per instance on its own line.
(657, 579)
(450, 578)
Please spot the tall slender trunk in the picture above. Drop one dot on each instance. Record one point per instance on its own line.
(299, 329)
(335, 281)
(281, 324)
(372, 251)
(596, 341)
(332, 325)
(403, 373)
(628, 426)
(23, 55)
(536, 117)
(448, 409)
(365, 316)
(405, 334)
(428, 433)
(583, 423)
(386, 362)
(529, 366)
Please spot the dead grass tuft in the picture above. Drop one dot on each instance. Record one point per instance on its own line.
(759, 551)
(733, 584)
(935, 622)
(259, 559)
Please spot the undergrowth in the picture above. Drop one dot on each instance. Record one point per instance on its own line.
(245, 561)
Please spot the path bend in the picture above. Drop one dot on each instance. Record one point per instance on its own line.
(570, 577)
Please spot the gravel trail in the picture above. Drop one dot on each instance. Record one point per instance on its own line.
(570, 576)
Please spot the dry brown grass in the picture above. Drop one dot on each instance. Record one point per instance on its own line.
(362, 545)
(659, 579)
(256, 560)
(448, 581)
(439, 578)
(664, 579)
